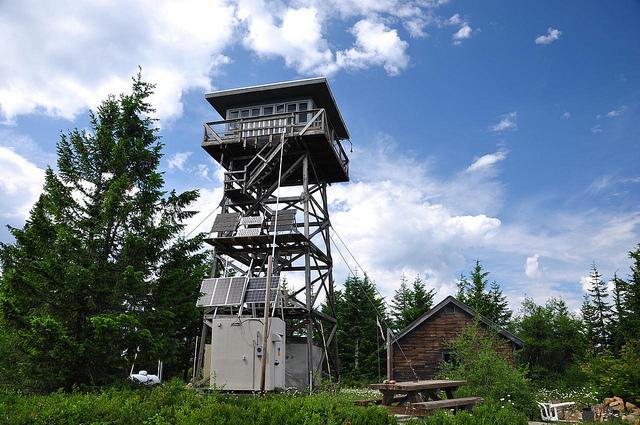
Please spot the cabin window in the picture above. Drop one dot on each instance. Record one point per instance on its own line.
(449, 309)
(244, 113)
(302, 106)
(267, 110)
(279, 109)
(255, 112)
(291, 107)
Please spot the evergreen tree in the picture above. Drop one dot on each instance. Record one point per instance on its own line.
(552, 336)
(99, 268)
(421, 299)
(499, 307)
(588, 314)
(401, 305)
(618, 317)
(357, 309)
(410, 302)
(631, 300)
(600, 311)
(491, 304)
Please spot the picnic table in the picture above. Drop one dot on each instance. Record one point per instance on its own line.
(419, 397)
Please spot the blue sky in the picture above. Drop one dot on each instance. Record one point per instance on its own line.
(505, 131)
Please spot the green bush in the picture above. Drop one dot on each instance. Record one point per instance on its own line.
(172, 403)
(487, 373)
(619, 376)
(485, 414)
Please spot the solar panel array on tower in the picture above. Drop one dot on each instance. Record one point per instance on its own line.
(225, 222)
(222, 291)
(286, 221)
(256, 289)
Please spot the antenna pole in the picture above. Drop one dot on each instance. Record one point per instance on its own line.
(265, 331)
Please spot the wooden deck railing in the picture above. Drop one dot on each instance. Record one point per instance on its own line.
(272, 127)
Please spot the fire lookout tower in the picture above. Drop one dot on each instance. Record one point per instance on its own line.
(276, 136)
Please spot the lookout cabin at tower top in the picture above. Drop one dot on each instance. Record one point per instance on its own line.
(302, 111)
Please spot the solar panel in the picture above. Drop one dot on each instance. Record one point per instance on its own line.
(252, 231)
(222, 287)
(225, 222)
(206, 291)
(230, 291)
(256, 289)
(286, 220)
(236, 291)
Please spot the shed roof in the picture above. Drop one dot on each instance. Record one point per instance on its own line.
(451, 300)
(316, 88)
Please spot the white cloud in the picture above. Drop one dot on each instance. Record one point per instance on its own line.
(296, 37)
(462, 34)
(487, 161)
(616, 112)
(532, 267)
(565, 115)
(376, 44)
(596, 129)
(20, 184)
(552, 35)
(455, 20)
(178, 160)
(60, 59)
(507, 122)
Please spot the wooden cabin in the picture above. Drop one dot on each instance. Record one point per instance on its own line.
(425, 341)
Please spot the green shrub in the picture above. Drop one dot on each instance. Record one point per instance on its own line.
(172, 403)
(619, 376)
(487, 373)
(485, 414)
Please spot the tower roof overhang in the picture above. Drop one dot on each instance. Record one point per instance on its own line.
(316, 88)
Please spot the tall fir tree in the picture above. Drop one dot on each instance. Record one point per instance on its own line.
(410, 302)
(400, 308)
(491, 304)
(421, 300)
(100, 268)
(618, 318)
(631, 301)
(360, 350)
(599, 311)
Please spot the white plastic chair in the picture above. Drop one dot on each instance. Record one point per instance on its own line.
(549, 412)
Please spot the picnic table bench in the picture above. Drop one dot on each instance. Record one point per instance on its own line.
(418, 398)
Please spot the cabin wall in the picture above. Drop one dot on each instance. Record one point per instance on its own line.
(426, 345)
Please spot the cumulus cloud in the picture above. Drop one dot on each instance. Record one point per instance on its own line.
(60, 59)
(178, 160)
(462, 34)
(552, 35)
(487, 161)
(532, 266)
(376, 44)
(85, 53)
(565, 115)
(20, 184)
(507, 122)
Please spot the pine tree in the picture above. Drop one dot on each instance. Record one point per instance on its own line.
(421, 299)
(499, 311)
(357, 309)
(601, 310)
(618, 318)
(401, 305)
(99, 268)
(588, 313)
(491, 304)
(631, 301)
